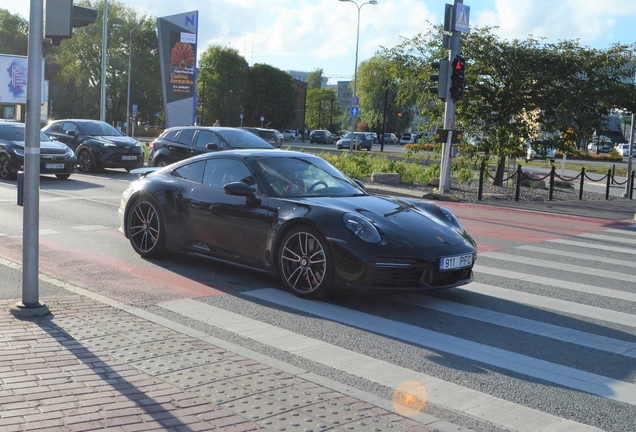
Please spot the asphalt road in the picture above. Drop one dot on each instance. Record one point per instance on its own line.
(548, 329)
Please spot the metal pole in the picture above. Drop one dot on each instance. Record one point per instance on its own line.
(355, 70)
(102, 106)
(128, 93)
(630, 157)
(30, 305)
(449, 114)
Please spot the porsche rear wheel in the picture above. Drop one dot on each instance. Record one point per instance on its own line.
(305, 263)
(146, 229)
(5, 167)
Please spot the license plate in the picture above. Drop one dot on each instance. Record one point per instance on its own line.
(455, 262)
(129, 158)
(53, 166)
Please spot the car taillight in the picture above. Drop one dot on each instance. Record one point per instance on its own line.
(151, 145)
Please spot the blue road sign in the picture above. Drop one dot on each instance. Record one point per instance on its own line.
(462, 17)
(355, 111)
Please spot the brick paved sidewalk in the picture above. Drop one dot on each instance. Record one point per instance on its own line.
(90, 366)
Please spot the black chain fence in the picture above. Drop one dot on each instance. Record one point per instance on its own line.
(519, 175)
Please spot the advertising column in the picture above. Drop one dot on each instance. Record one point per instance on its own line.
(178, 54)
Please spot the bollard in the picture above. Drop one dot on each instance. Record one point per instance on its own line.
(20, 188)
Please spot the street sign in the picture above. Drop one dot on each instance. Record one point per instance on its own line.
(134, 110)
(355, 111)
(355, 100)
(241, 116)
(441, 136)
(462, 17)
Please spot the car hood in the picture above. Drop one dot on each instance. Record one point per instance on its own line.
(119, 141)
(48, 147)
(409, 223)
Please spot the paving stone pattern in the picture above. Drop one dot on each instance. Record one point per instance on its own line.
(89, 366)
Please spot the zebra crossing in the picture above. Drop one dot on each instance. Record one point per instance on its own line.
(543, 340)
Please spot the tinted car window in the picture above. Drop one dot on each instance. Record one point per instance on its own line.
(169, 135)
(100, 129)
(219, 172)
(69, 127)
(12, 133)
(192, 172)
(238, 138)
(206, 137)
(185, 137)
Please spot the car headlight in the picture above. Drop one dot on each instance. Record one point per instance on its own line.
(18, 151)
(361, 227)
(68, 152)
(451, 218)
(106, 143)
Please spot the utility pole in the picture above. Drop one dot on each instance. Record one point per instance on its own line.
(456, 21)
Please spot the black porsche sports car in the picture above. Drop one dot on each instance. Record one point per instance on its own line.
(294, 215)
(97, 144)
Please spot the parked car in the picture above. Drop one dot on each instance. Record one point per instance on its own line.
(373, 137)
(97, 144)
(539, 153)
(55, 157)
(319, 136)
(294, 215)
(359, 137)
(181, 142)
(390, 138)
(407, 138)
(272, 136)
(623, 149)
(290, 135)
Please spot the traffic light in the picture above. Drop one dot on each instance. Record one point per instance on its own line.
(441, 78)
(457, 78)
(60, 16)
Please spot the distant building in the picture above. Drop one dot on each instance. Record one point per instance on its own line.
(302, 76)
(344, 94)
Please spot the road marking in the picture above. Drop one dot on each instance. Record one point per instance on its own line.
(452, 396)
(44, 232)
(551, 331)
(578, 255)
(630, 251)
(608, 238)
(557, 305)
(91, 227)
(559, 266)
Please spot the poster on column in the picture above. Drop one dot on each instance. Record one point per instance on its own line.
(13, 79)
(178, 55)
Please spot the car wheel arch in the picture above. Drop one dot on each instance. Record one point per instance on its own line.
(285, 229)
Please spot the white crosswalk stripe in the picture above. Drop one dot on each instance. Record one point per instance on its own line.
(589, 303)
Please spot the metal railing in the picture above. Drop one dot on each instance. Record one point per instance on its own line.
(519, 175)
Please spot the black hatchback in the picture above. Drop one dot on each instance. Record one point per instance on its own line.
(182, 142)
(97, 144)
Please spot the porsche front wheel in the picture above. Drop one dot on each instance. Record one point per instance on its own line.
(146, 229)
(305, 263)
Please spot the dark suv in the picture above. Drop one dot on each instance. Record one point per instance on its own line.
(320, 137)
(182, 142)
(272, 136)
(97, 144)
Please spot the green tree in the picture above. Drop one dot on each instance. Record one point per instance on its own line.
(14, 38)
(374, 84)
(221, 85)
(75, 75)
(319, 103)
(271, 93)
(314, 79)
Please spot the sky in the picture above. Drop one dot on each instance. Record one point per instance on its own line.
(305, 35)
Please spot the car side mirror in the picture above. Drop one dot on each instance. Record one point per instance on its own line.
(71, 133)
(213, 147)
(241, 189)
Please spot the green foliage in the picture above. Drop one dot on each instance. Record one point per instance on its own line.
(221, 84)
(270, 93)
(14, 38)
(319, 106)
(314, 79)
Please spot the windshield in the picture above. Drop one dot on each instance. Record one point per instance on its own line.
(238, 138)
(99, 129)
(357, 135)
(16, 133)
(305, 177)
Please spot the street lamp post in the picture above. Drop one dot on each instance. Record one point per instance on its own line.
(102, 105)
(355, 70)
(129, 65)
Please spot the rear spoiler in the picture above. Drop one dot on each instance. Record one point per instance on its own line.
(143, 172)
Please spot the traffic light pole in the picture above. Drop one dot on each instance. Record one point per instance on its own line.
(449, 114)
